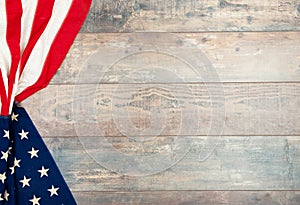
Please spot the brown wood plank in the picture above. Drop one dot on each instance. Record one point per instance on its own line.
(189, 197)
(192, 16)
(237, 163)
(235, 57)
(180, 109)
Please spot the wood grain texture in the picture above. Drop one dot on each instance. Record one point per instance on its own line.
(192, 16)
(235, 57)
(238, 163)
(189, 197)
(136, 73)
(144, 91)
(182, 109)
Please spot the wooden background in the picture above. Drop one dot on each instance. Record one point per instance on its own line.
(254, 47)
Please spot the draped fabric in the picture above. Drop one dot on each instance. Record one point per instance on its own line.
(28, 173)
(35, 36)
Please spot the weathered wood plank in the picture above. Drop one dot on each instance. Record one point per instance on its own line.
(237, 163)
(190, 197)
(236, 57)
(192, 16)
(180, 109)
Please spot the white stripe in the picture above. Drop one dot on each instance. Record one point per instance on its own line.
(29, 8)
(36, 60)
(5, 55)
(14, 90)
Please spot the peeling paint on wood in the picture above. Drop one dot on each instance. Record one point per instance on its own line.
(251, 108)
(254, 47)
(237, 163)
(190, 197)
(236, 57)
(192, 16)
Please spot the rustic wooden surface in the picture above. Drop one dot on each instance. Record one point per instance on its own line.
(115, 77)
(191, 16)
(251, 108)
(190, 197)
(236, 57)
(238, 163)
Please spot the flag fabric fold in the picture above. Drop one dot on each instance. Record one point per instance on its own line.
(35, 36)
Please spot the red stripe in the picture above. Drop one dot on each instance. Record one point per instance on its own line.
(13, 34)
(60, 46)
(4, 110)
(42, 16)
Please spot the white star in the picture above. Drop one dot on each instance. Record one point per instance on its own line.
(14, 117)
(33, 153)
(5, 195)
(25, 182)
(43, 171)
(3, 177)
(16, 163)
(53, 191)
(35, 201)
(1, 199)
(23, 134)
(5, 155)
(6, 135)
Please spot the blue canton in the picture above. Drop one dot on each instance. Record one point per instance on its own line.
(28, 173)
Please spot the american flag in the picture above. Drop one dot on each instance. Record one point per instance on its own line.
(35, 36)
